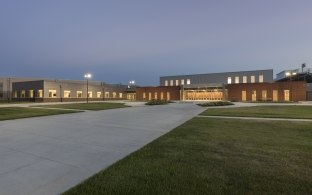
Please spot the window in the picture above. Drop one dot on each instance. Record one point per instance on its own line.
(243, 95)
(79, 94)
(236, 80)
(120, 95)
(260, 78)
(264, 95)
(66, 94)
(98, 94)
(89, 94)
(275, 95)
(229, 80)
(254, 95)
(107, 94)
(144, 96)
(166, 82)
(182, 81)
(149, 96)
(286, 95)
(40, 93)
(177, 82)
(114, 94)
(155, 96)
(15, 94)
(31, 93)
(52, 93)
(162, 95)
(252, 79)
(23, 94)
(168, 96)
(171, 82)
(244, 79)
(188, 81)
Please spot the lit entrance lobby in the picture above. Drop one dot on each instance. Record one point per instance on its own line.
(211, 92)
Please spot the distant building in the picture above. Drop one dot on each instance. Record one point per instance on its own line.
(6, 86)
(256, 85)
(49, 90)
(212, 86)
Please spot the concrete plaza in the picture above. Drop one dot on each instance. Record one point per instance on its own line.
(48, 155)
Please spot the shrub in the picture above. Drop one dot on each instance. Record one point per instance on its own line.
(219, 103)
(158, 102)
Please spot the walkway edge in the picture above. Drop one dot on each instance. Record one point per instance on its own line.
(257, 118)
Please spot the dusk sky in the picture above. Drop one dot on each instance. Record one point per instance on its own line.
(118, 41)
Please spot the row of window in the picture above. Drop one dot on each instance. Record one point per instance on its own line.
(66, 94)
(244, 79)
(236, 79)
(155, 96)
(177, 82)
(264, 96)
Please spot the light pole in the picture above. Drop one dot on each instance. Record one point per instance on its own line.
(131, 84)
(290, 74)
(88, 76)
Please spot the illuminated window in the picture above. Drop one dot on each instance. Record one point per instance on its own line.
(171, 82)
(98, 94)
(188, 81)
(252, 79)
(244, 96)
(40, 93)
(168, 95)
(254, 95)
(229, 80)
(23, 94)
(52, 93)
(114, 94)
(275, 95)
(236, 80)
(155, 96)
(260, 78)
(144, 95)
(177, 82)
(107, 94)
(66, 94)
(31, 93)
(286, 95)
(120, 95)
(149, 96)
(244, 79)
(182, 81)
(79, 94)
(90, 94)
(166, 83)
(264, 95)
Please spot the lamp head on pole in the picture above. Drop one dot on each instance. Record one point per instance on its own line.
(88, 76)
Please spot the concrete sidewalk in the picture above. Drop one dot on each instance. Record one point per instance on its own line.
(48, 155)
(28, 104)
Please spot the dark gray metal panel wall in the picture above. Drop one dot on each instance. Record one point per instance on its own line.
(28, 85)
(220, 77)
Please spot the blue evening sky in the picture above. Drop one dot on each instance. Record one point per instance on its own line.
(118, 41)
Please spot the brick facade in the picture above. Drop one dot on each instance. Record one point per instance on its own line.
(161, 92)
(297, 91)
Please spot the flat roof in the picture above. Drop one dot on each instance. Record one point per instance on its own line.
(217, 73)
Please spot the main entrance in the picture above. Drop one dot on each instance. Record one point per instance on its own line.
(204, 94)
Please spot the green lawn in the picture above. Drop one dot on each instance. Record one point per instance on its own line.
(18, 112)
(89, 106)
(304, 112)
(215, 156)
